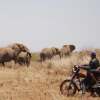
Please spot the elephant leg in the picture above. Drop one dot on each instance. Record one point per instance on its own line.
(42, 56)
(50, 57)
(60, 56)
(15, 60)
(28, 63)
(23, 62)
(65, 54)
(3, 63)
(41, 59)
(45, 57)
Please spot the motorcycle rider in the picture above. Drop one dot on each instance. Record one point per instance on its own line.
(92, 68)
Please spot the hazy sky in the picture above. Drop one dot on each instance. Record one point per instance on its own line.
(45, 23)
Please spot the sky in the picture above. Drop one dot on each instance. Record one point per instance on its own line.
(46, 23)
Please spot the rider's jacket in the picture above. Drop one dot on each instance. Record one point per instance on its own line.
(94, 63)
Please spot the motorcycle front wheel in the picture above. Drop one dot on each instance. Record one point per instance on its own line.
(67, 88)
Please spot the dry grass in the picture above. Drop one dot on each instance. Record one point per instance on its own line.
(39, 81)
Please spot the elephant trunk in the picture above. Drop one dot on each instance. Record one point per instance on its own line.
(72, 47)
(29, 54)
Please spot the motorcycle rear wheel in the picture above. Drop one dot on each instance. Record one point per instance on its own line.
(67, 90)
(97, 92)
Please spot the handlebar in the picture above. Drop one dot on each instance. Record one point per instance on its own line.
(85, 67)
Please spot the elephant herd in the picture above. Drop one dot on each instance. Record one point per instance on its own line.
(16, 52)
(48, 53)
(20, 54)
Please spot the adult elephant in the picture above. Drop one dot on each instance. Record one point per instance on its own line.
(9, 53)
(24, 52)
(67, 50)
(24, 58)
(48, 53)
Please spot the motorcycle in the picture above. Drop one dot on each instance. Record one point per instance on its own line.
(76, 83)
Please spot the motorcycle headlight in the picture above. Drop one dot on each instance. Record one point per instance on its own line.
(75, 68)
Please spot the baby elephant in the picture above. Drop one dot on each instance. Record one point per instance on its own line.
(24, 58)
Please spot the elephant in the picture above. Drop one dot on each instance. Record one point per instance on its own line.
(24, 49)
(7, 54)
(24, 58)
(45, 54)
(48, 53)
(67, 50)
(11, 52)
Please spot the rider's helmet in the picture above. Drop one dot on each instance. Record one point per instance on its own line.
(93, 54)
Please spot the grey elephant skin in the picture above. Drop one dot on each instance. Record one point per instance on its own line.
(8, 54)
(24, 58)
(48, 53)
(11, 52)
(67, 50)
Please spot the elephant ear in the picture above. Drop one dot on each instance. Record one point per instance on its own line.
(72, 47)
(15, 47)
(22, 47)
(57, 50)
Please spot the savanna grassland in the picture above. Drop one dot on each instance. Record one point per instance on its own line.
(40, 81)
